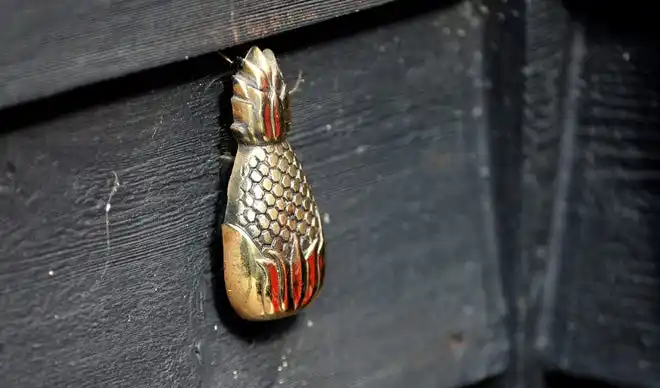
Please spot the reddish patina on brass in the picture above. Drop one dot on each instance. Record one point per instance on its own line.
(272, 232)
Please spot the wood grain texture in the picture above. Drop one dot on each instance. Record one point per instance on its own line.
(390, 128)
(602, 319)
(546, 86)
(91, 304)
(504, 61)
(48, 47)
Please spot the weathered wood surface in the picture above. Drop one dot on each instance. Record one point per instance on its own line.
(112, 283)
(601, 315)
(51, 46)
(588, 275)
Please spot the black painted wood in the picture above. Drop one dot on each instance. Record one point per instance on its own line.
(52, 46)
(504, 61)
(547, 87)
(602, 319)
(110, 197)
(590, 253)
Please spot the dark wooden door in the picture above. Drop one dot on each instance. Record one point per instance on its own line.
(451, 150)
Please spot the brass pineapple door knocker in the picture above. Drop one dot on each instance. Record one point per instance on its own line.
(272, 234)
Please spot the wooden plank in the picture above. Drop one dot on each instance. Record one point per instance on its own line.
(52, 46)
(105, 287)
(601, 312)
(546, 49)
